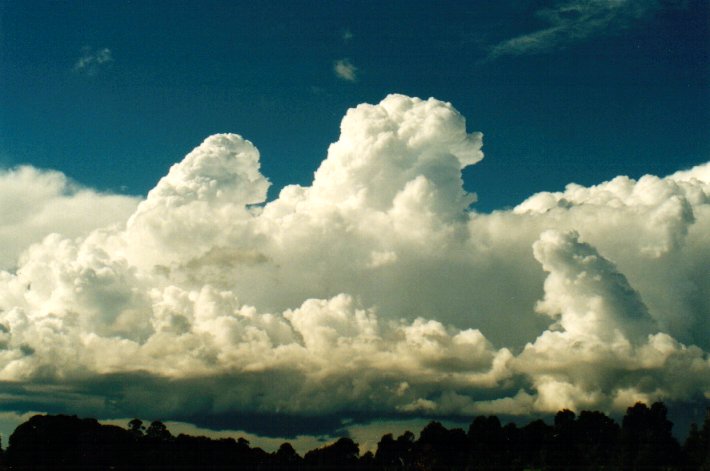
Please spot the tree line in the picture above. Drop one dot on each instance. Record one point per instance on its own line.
(588, 441)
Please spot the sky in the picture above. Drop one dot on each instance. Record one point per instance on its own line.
(304, 218)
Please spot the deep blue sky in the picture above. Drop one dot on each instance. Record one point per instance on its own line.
(610, 91)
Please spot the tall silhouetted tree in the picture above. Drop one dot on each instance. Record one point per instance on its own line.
(388, 455)
(562, 447)
(596, 440)
(367, 461)
(697, 446)
(136, 428)
(287, 458)
(646, 439)
(394, 454)
(532, 443)
(158, 431)
(440, 449)
(488, 444)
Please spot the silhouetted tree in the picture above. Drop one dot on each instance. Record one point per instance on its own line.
(367, 461)
(286, 457)
(158, 431)
(562, 447)
(514, 460)
(646, 441)
(532, 443)
(343, 453)
(387, 455)
(394, 454)
(136, 428)
(589, 441)
(697, 446)
(488, 444)
(438, 448)
(49, 442)
(596, 440)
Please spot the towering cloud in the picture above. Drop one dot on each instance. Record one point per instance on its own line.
(375, 290)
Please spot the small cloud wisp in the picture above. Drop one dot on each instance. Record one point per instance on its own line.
(93, 61)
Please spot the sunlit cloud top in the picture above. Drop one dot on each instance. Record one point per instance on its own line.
(373, 291)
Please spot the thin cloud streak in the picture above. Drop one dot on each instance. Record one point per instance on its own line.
(573, 21)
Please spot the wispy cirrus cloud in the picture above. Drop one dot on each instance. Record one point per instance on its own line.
(344, 69)
(92, 61)
(571, 21)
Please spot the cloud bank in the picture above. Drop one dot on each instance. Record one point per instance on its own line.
(35, 203)
(374, 292)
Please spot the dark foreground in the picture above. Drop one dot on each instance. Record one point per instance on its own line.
(589, 441)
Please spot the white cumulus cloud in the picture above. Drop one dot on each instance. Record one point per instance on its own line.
(35, 203)
(374, 290)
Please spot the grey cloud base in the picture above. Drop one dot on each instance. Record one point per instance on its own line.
(373, 292)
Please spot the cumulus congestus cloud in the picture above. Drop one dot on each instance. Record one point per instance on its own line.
(374, 291)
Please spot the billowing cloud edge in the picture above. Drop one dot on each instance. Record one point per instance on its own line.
(36, 202)
(373, 292)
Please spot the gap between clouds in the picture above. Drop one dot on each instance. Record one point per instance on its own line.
(375, 291)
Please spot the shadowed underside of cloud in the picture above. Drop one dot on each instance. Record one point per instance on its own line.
(373, 292)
